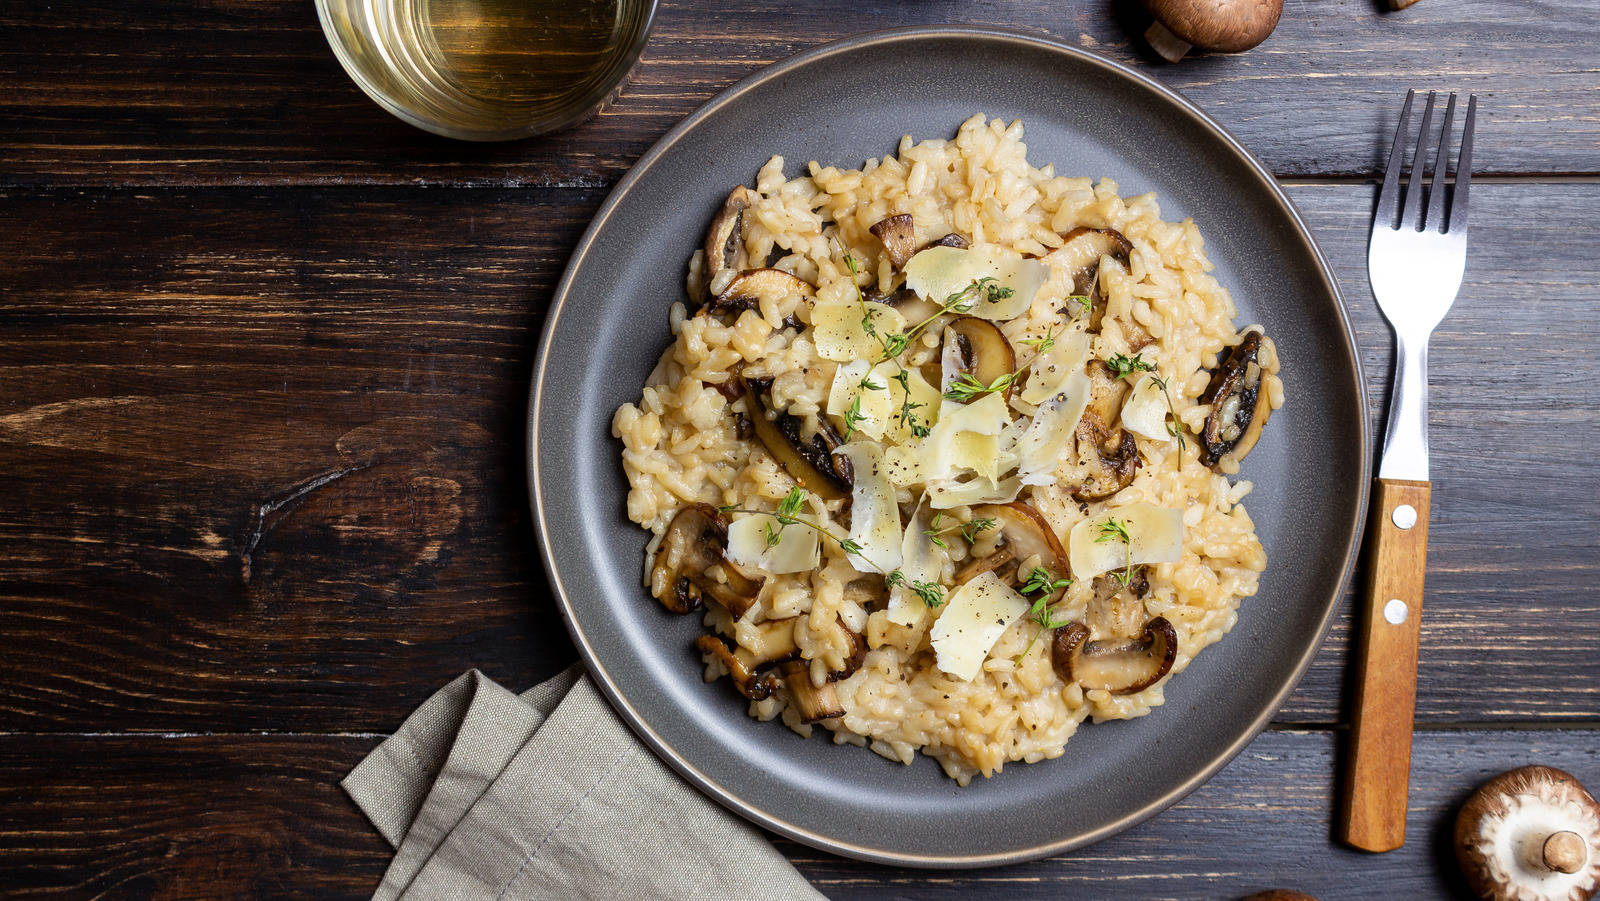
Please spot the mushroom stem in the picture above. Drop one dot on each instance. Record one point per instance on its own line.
(1171, 47)
(1564, 852)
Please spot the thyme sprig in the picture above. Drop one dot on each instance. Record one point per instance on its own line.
(1122, 364)
(1175, 427)
(969, 529)
(965, 386)
(1042, 613)
(788, 514)
(931, 593)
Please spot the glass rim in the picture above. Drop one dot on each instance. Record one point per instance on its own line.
(570, 111)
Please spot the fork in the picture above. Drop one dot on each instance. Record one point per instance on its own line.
(1415, 265)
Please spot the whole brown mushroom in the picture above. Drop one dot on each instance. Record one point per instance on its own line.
(1532, 834)
(1228, 26)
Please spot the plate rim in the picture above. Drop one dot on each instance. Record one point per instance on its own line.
(632, 716)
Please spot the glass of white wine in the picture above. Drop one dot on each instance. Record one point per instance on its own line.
(488, 70)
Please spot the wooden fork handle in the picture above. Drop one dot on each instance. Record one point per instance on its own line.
(1378, 762)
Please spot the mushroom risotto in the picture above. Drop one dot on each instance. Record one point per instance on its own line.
(941, 447)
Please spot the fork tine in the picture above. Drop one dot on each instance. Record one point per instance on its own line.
(1458, 200)
(1441, 164)
(1411, 216)
(1389, 194)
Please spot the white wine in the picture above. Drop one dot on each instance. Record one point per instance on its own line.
(487, 69)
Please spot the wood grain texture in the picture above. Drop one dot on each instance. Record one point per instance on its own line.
(261, 459)
(1372, 813)
(246, 92)
(205, 816)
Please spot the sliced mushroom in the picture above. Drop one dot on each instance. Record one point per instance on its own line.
(1081, 254)
(774, 643)
(982, 350)
(868, 591)
(812, 462)
(857, 655)
(1117, 606)
(724, 246)
(814, 704)
(749, 289)
(1107, 453)
(691, 565)
(1117, 665)
(1024, 536)
(899, 237)
(950, 240)
(756, 687)
(1239, 408)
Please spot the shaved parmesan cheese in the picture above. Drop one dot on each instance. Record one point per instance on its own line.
(987, 415)
(903, 463)
(797, 550)
(966, 438)
(922, 395)
(1145, 410)
(1053, 367)
(840, 333)
(946, 495)
(875, 404)
(874, 515)
(1155, 533)
(974, 619)
(938, 273)
(920, 562)
(1050, 435)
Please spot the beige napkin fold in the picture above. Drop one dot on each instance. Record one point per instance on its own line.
(486, 794)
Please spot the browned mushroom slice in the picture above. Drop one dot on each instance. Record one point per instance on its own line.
(1113, 457)
(691, 565)
(982, 350)
(1080, 254)
(857, 656)
(774, 643)
(724, 246)
(756, 687)
(1239, 408)
(1108, 452)
(899, 237)
(1024, 536)
(1117, 665)
(811, 462)
(1117, 605)
(749, 289)
(814, 704)
(950, 240)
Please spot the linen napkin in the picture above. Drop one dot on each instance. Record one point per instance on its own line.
(486, 794)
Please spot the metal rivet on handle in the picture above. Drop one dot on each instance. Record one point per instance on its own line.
(1405, 516)
(1395, 611)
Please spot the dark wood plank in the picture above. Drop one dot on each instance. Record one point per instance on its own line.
(261, 459)
(205, 816)
(237, 92)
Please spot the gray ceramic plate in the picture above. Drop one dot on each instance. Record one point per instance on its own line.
(841, 104)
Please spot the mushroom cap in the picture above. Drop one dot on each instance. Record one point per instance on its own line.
(1225, 25)
(1519, 834)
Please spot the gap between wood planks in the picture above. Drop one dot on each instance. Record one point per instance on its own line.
(1292, 728)
(597, 184)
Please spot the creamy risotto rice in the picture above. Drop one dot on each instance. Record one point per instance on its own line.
(942, 451)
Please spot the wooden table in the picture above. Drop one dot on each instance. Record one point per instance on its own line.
(263, 359)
